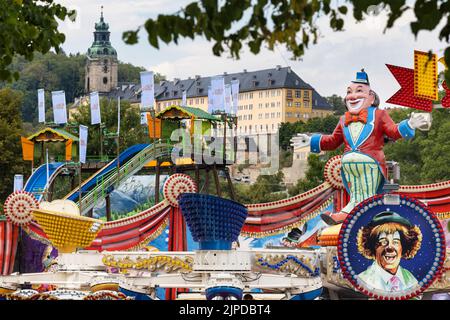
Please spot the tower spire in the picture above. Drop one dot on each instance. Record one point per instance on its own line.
(101, 14)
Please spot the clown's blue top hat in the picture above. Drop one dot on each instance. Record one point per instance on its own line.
(362, 77)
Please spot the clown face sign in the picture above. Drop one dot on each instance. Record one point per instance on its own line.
(391, 251)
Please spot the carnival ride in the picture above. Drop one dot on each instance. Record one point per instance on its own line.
(38, 184)
(284, 247)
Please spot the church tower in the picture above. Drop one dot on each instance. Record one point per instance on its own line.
(102, 64)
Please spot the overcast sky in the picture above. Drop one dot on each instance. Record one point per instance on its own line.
(328, 66)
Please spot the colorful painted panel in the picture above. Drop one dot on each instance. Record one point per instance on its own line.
(391, 247)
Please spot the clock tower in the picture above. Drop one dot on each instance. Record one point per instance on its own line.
(102, 64)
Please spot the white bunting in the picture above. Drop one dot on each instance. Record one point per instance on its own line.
(218, 92)
(235, 94)
(210, 100)
(41, 105)
(96, 117)
(148, 90)
(59, 107)
(18, 182)
(83, 143)
(144, 118)
(184, 101)
(227, 98)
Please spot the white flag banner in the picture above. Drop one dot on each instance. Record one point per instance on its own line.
(59, 107)
(96, 117)
(228, 98)
(148, 90)
(18, 182)
(83, 143)
(41, 105)
(218, 88)
(235, 94)
(210, 100)
(144, 118)
(184, 101)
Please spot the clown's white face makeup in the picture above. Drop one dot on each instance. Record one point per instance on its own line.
(358, 97)
(388, 251)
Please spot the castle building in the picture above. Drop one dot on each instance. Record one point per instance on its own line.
(102, 63)
(267, 97)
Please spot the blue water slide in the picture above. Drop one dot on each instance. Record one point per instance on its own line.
(37, 182)
(90, 183)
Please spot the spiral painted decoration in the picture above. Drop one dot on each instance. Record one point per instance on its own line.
(18, 207)
(332, 172)
(177, 184)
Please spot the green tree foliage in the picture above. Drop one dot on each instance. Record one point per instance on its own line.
(131, 131)
(426, 158)
(231, 24)
(58, 72)
(10, 131)
(314, 174)
(290, 129)
(338, 104)
(27, 27)
(51, 72)
(266, 188)
(130, 73)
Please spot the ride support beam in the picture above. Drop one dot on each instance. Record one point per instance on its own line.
(157, 180)
(108, 208)
(217, 182)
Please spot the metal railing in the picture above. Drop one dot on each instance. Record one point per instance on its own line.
(105, 183)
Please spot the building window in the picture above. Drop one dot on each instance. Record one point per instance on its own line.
(272, 115)
(306, 94)
(267, 104)
(260, 116)
(298, 94)
(289, 114)
(250, 107)
(267, 116)
(289, 94)
(289, 103)
(278, 103)
(260, 94)
(267, 93)
(297, 104)
(278, 93)
(273, 93)
(105, 80)
(278, 114)
(272, 104)
(203, 100)
(251, 95)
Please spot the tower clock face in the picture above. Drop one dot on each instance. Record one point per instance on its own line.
(105, 68)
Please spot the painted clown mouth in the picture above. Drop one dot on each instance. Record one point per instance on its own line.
(355, 104)
(390, 257)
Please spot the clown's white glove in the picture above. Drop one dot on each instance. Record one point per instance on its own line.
(301, 140)
(421, 121)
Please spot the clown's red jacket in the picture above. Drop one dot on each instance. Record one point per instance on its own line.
(371, 140)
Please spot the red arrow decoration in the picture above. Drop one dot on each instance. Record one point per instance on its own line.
(446, 100)
(405, 96)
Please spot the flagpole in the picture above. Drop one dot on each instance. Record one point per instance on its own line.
(79, 189)
(118, 139)
(48, 175)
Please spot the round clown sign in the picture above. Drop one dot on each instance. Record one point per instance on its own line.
(391, 247)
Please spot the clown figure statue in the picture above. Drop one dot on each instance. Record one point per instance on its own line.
(362, 130)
